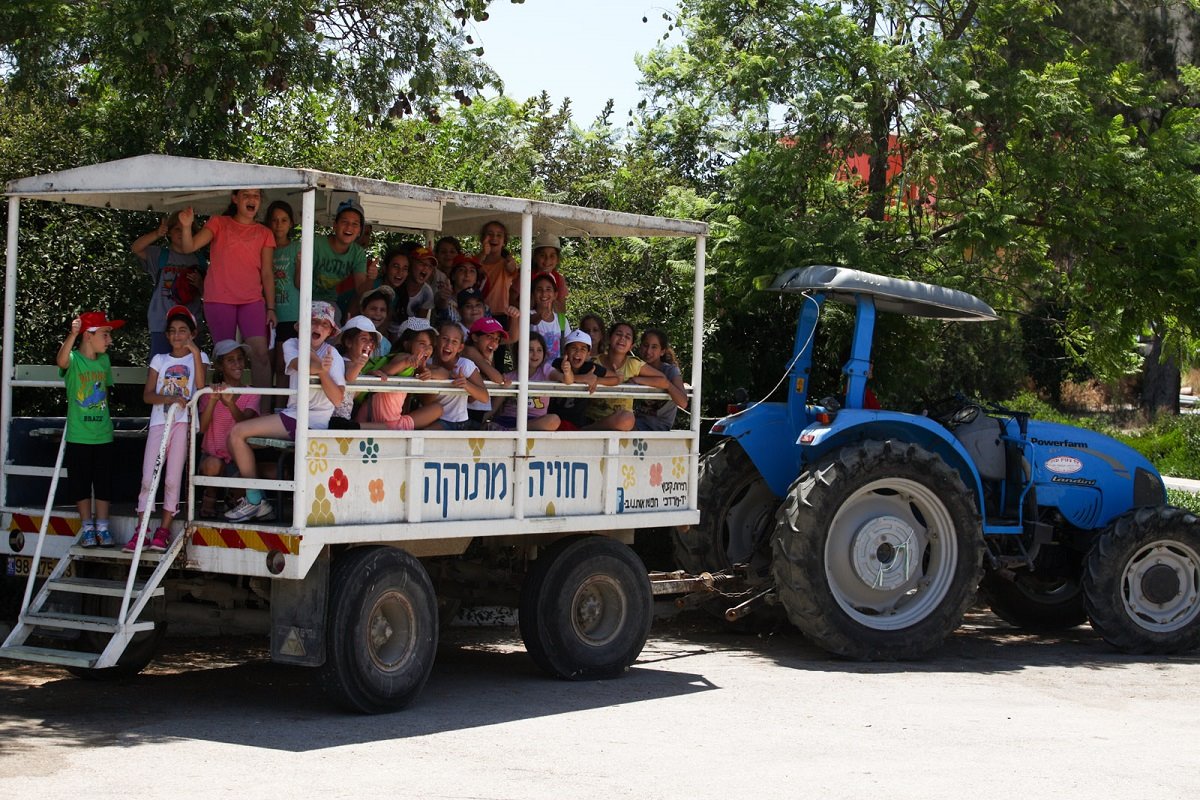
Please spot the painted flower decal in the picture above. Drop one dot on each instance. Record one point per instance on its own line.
(476, 448)
(376, 489)
(656, 474)
(370, 450)
(678, 466)
(343, 444)
(629, 476)
(322, 509)
(318, 452)
(640, 447)
(339, 484)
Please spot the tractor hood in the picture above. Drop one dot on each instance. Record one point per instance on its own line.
(899, 296)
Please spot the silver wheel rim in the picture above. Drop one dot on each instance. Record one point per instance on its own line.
(1142, 584)
(747, 519)
(891, 554)
(598, 610)
(391, 631)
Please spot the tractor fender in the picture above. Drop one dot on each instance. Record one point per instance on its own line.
(855, 425)
(763, 430)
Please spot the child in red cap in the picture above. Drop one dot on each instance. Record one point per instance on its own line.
(87, 374)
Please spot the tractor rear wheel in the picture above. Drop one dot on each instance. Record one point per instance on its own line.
(1142, 581)
(878, 551)
(737, 515)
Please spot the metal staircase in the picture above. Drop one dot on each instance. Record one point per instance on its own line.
(134, 592)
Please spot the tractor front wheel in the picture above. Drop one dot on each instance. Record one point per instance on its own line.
(878, 551)
(1142, 581)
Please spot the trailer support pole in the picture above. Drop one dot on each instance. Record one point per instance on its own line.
(308, 220)
(10, 327)
(522, 362)
(697, 363)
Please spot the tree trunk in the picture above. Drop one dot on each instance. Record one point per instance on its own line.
(1160, 380)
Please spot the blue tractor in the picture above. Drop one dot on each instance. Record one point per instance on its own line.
(874, 529)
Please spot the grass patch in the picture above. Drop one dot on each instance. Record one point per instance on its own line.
(1182, 499)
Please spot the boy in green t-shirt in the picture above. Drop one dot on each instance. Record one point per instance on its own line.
(87, 374)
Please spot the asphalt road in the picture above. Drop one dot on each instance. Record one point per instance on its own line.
(705, 713)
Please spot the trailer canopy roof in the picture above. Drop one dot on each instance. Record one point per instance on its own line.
(168, 183)
(890, 294)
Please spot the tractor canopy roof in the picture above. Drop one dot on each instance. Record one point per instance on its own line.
(890, 294)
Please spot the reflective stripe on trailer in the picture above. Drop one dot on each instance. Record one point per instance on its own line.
(261, 541)
(59, 526)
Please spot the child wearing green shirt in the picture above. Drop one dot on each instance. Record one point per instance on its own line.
(87, 374)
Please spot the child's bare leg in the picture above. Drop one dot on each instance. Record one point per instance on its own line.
(84, 507)
(240, 449)
(102, 509)
(546, 422)
(210, 466)
(616, 421)
(426, 415)
(270, 426)
(260, 361)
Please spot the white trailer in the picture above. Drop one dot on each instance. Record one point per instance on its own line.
(387, 530)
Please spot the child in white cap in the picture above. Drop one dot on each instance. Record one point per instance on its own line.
(327, 365)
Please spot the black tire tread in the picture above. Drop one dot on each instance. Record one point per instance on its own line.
(1105, 566)
(799, 543)
(353, 576)
(1011, 604)
(722, 470)
(542, 616)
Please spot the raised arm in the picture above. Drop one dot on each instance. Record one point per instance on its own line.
(190, 243)
(64, 353)
(146, 239)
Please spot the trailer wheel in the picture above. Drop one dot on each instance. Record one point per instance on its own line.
(586, 608)
(738, 515)
(1033, 603)
(1142, 581)
(382, 630)
(878, 551)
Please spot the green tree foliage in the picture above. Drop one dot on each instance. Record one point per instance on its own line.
(529, 149)
(183, 78)
(1004, 156)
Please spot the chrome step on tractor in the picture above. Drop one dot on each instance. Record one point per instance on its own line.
(874, 529)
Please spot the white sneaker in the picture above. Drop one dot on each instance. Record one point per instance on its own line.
(245, 510)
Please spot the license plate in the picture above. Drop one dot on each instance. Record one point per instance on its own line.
(18, 566)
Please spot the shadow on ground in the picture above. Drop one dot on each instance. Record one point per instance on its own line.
(231, 692)
(984, 645)
(228, 691)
